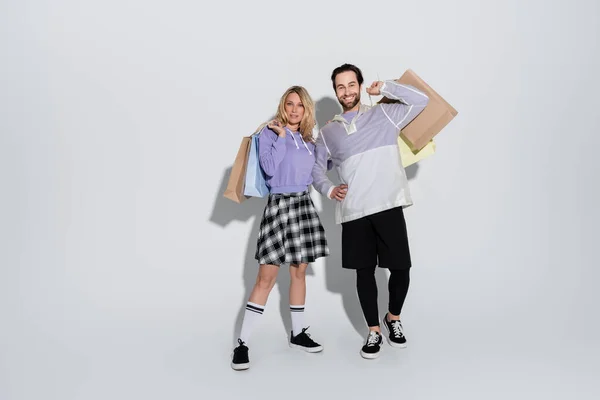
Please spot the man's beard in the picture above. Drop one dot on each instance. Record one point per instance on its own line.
(352, 105)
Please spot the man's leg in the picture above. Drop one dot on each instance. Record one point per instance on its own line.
(366, 287)
(394, 253)
(359, 252)
(398, 288)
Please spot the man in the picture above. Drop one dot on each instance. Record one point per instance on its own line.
(362, 144)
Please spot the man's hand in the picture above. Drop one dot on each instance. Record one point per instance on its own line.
(375, 88)
(339, 192)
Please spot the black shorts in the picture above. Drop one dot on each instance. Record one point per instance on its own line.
(377, 239)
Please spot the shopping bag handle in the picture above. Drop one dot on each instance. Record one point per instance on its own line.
(259, 129)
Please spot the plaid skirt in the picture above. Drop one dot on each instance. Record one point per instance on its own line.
(290, 231)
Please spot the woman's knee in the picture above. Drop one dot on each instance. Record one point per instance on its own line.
(267, 277)
(265, 282)
(298, 272)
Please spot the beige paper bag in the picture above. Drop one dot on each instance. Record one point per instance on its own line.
(235, 186)
(438, 113)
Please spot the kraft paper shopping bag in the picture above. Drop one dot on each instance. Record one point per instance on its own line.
(235, 185)
(438, 113)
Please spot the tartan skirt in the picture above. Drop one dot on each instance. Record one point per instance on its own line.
(290, 231)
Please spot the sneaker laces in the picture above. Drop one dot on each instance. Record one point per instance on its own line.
(373, 338)
(307, 335)
(241, 343)
(241, 351)
(397, 328)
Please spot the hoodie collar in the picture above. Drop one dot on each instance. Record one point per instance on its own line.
(351, 126)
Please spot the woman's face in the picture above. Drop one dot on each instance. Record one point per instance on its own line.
(294, 109)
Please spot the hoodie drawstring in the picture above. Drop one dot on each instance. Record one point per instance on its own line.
(296, 143)
(307, 149)
(303, 142)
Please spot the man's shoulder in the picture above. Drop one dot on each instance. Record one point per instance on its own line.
(331, 125)
(370, 112)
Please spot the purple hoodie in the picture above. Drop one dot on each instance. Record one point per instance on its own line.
(287, 162)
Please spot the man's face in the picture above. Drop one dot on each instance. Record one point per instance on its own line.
(347, 89)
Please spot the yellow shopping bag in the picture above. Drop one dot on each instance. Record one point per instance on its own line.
(409, 157)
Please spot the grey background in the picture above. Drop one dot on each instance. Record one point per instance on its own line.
(124, 270)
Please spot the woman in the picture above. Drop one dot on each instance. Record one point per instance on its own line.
(290, 229)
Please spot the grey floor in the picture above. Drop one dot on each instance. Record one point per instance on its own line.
(134, 355)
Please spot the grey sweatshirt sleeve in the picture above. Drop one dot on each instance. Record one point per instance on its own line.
(413, 102)
(319, 172)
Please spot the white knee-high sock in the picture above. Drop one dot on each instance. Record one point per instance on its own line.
(251, 317)
(297, 319)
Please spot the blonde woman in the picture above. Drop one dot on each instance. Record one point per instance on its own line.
(290, 230)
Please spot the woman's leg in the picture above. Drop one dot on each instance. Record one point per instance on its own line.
(267, 276)
(300, 339)
(297, 296)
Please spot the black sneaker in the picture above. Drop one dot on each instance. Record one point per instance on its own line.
(240, 359)
(371, 349)
(304, 342)
(395, 334)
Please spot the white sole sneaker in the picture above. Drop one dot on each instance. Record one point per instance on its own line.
(240, 367)
(370, 356)
(307, 349)
(393, 344)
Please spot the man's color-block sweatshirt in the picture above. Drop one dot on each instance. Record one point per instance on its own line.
(364, 150)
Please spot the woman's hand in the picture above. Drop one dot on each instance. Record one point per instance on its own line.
(276, 126)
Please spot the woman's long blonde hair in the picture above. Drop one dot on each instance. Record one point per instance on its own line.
(308, 120)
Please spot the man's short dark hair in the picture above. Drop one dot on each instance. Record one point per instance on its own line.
(345, 68)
